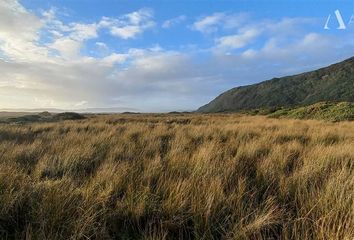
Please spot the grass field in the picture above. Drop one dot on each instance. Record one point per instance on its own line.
(177, 177)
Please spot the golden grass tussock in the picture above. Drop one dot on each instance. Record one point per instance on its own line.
(163, 176)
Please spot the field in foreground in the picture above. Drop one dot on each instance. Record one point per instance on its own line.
(177, 177)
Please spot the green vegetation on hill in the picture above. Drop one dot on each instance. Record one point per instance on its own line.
(333, 83)
(321, 111)
(328, 111)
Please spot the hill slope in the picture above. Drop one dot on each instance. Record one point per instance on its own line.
(333, 83)
(334, 112)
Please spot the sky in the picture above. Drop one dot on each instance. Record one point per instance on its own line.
(163, 55)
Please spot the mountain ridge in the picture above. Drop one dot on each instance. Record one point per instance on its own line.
(332, 83)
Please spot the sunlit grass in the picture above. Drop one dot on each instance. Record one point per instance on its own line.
(177, 177)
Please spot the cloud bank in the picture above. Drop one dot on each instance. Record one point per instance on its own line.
(42, 62)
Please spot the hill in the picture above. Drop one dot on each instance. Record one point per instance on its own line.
(329, 111)
(323, 111)
(333, 83)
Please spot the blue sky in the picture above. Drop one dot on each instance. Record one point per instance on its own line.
(157, 56)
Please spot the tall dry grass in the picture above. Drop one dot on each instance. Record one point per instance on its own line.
(177, 177)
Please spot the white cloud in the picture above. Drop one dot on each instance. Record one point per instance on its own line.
(129, 25)
(139, 17)
(312, 38)
(126, 31)
(67, 47)
(214, 22)
(249, 53)
(19, 31)
(83, 31)
(81, 103)
(114, 59)
(285, 29)
(68, 39)
(173, 21)
(238, 40)
(70, 80)
(69, 42)
(209, 23)
(17, 21)
(101, 44)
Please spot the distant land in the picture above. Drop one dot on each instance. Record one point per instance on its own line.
(57, 110)
(334, 84)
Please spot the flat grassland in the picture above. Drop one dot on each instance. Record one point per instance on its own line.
(177, 177)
